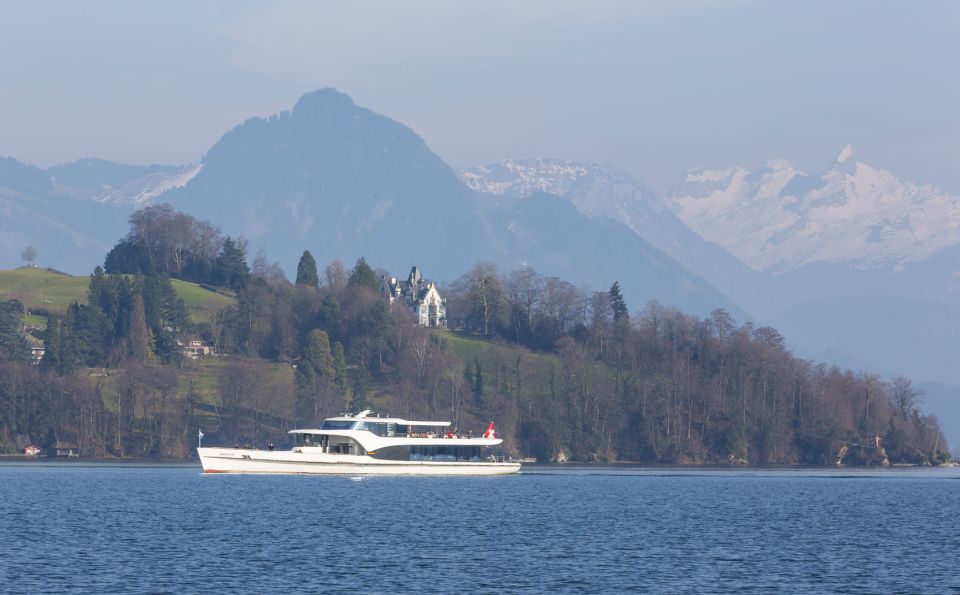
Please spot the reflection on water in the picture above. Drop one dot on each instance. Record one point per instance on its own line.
(119, 528)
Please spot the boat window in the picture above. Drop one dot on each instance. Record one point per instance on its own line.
(311, 440)
(333, 424)
(378, 428)
(445, 453)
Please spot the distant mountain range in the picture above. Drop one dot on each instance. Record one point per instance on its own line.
(342, 181)
(851, 264)
(605, 191)
(73, 213)
(778, 219)
(108, 182)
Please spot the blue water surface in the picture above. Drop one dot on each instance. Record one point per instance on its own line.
(122, 528)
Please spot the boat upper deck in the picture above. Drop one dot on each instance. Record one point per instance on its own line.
(389, 427)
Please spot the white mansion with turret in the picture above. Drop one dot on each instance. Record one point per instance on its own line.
(419, 296)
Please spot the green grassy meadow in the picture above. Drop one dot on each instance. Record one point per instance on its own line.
(40, 289)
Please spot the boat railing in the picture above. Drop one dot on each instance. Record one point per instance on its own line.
(496, 459)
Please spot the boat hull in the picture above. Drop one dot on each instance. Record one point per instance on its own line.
(232, 460)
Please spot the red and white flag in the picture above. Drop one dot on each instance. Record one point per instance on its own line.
(490, 433)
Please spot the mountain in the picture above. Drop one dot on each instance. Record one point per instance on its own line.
(342, 181)
(68, 232)
(599, 190)
(108, 182)
(73, 213)
(858, 261)
(779, 219)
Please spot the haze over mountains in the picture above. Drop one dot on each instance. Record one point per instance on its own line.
(599, 190)
(850, 264)
(342, 181)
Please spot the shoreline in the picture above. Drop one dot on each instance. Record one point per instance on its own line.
(23, 460)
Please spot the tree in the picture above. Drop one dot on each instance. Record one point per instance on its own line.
(231, 268)
(317, 357)
(51, 344)
(478, 386)
(12, 338)
(339, 366)
(29, 254)
(138, 336)
(905, 397)
(335, 275)
(307, 270)
(263, 269)
(483, 297)
(329, 317)
(617, 304)
(522, 290)
(363, 276)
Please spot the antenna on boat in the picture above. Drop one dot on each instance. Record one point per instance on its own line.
(199, 438)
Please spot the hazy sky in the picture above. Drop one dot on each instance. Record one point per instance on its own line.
(656, 88)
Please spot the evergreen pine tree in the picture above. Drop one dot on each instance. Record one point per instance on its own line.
(339, 366)
(231, 268)
(362, 276)
(51, 344)
(617, 304)
(329, 316)
(317, 358)
(477, 383)
(12, 339)
(138, 335)
(307, 270)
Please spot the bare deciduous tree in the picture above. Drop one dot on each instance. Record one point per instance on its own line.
(29, 254)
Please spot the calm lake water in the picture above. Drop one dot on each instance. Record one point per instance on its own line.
(101, 528)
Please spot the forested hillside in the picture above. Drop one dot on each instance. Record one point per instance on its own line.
(567, 373)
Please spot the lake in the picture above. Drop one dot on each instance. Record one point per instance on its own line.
(76, 527)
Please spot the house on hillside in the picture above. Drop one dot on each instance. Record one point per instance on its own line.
(194, 348)
(37, 349)
(419, 296)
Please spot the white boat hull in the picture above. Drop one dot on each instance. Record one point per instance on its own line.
(234, 460)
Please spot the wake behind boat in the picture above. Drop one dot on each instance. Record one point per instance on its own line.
(363, 445)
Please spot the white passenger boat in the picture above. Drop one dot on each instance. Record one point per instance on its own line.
(362, 445)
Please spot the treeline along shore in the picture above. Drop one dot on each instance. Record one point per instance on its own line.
(140, 361)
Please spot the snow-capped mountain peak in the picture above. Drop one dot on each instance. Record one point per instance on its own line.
(845, 154)
(605, 191)
(778, 218)
(523, 177)
(845, 161)
(142, 190)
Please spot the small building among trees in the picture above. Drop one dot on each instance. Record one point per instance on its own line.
(194, 348)
(63, 449)
(419, 295)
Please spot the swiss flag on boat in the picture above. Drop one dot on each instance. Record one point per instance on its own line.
(490, 433)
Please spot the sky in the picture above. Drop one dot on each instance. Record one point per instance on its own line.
(655, 88)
